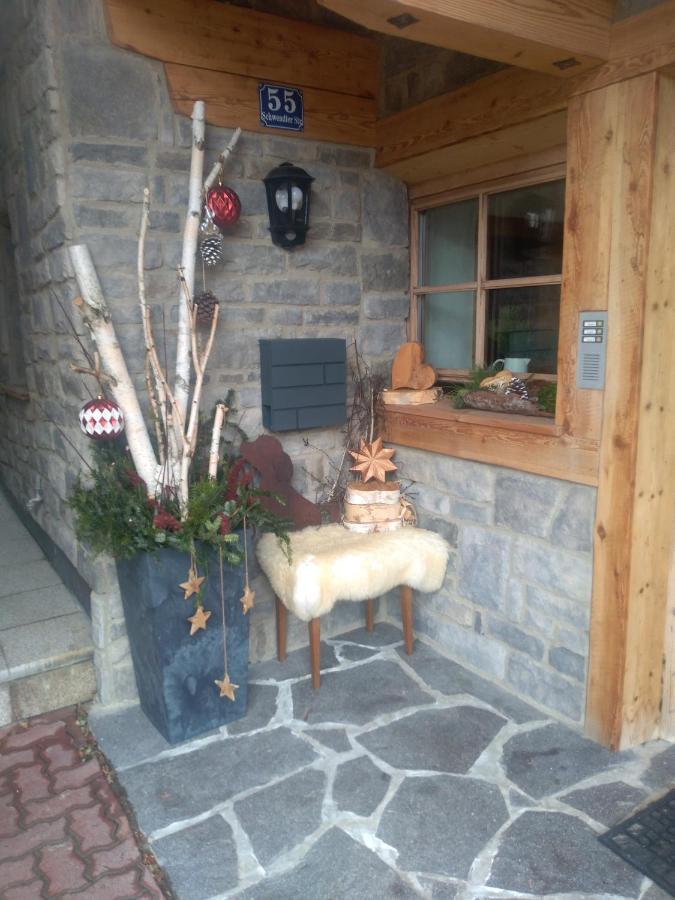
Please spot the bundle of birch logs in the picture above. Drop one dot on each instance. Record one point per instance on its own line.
(174, 408)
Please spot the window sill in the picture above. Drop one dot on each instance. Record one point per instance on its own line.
(526, 443)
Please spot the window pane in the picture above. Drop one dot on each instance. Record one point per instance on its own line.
(523, 322)
(525, 231)
(448, 329)
(448, 243)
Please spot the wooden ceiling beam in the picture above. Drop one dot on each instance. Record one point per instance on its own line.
(558, 37)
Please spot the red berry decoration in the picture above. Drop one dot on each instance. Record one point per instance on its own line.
(101, 419)
(223, 205)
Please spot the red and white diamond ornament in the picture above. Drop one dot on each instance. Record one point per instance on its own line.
(223, 206)
(101, 419)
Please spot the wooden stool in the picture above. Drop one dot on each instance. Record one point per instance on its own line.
(329, 563)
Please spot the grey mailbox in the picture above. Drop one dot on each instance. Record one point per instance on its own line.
(303, 383)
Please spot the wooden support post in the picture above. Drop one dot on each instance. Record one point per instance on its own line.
(281, 630)
(370, 615)
(621, 159)
(407, 617)
(315, 651)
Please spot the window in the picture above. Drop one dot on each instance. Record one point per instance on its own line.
(486, 277)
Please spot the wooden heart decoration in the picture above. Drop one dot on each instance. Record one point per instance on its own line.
(409, 369)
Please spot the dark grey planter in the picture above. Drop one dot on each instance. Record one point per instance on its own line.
(175, 672)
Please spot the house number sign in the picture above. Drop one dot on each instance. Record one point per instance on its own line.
(281, 107)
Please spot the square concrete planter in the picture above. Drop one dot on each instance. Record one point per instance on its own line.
(175, 672)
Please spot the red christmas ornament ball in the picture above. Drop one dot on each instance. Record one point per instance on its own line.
(223, 205)
(101, 419)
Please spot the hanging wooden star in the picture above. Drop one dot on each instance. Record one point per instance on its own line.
(247, 599)
(373, 460)
(198, 620)
(193, 585)
(227, 689)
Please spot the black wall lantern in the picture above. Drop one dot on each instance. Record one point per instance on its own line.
(288, 188)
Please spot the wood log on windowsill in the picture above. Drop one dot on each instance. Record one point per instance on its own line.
(494, 401)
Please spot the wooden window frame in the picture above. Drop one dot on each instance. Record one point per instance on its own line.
(482, 284)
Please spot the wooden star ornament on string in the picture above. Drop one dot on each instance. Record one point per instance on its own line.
(227, 689)
(247, 599)
(373, 460)
(198, 620)
(193, 585)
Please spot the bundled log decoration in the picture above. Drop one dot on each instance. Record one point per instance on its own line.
(374, 504)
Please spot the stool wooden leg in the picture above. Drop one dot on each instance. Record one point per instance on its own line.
(407, 617)
(370, 615)
(281, 630)
(315, 651)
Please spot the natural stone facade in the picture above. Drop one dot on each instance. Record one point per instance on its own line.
(85, 127)
(78, 146)
(516, 600)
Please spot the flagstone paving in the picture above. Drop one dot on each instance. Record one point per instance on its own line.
(401, 777)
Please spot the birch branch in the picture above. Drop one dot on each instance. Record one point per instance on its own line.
(95, 313)
(191, 433)
(219, 164)
(214, 453)
(159, 433)
(190, 236)
(193, 321)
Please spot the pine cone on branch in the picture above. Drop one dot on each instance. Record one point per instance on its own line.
(205, 304)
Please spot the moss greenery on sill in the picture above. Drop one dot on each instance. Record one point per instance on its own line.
(540, 400)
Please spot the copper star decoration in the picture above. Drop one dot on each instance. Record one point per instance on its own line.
(198, 620)
(227, 689)
(193, 585)
(247, 599)
(373, 460)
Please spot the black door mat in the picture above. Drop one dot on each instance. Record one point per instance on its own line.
(647, 841)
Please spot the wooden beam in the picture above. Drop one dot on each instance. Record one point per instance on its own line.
(232, 100)
(617, 135)
(498, 101)
(494, 147)
(655, 464)
(559, 37)
(226, 38)
(519, 442)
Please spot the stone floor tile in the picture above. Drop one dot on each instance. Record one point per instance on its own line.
(112, 730)
(36, 606)
(18, 578)
(335, 863)
(547, 853)
(440, 823)
(41, 810)
(19, 550)
(335, 738)
(185, 785)
(607, 803)
(111, 859)
(29, 648)
(9, 816)
(32, 782)
(296, 665)
(359, 786)
(15, 871)
(18, 758)
(281, 816)
(355, 652)
(440, 890)
(440, 740)
(660, 773)
(25, 891)
(200, 861)
(546, 760)
(30, 838)
(19, 736)
(76, 776)
(261, 707)
(60, 756)
(93, 827)
(381, 687)
(113, 887)
(62, 868)
(383, 635)
(449, 677)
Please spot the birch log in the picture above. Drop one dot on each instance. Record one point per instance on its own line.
(181, 388)
(214, 453)
(95, 313)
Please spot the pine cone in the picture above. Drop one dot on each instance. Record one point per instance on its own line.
(211, 249)
(517, 386)
(205, 304)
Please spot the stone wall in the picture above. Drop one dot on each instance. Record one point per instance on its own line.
(516, 600)
(84, 127)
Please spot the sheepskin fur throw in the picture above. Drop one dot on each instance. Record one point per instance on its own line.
(330, 563)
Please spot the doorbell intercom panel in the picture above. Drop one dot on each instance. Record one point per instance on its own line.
(592, 350)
